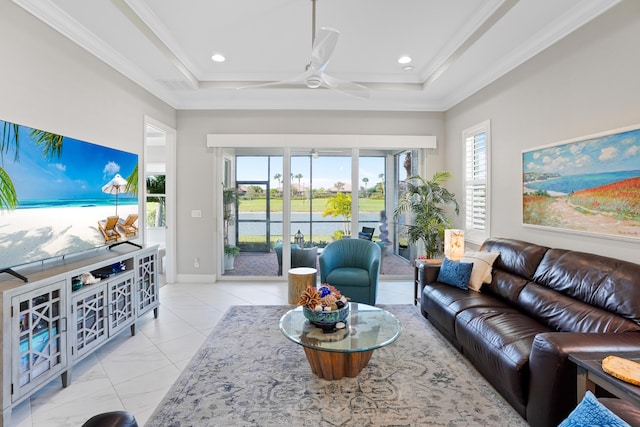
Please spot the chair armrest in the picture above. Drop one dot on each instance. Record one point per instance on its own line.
(552, 386)
(373, 263)
(327, 262)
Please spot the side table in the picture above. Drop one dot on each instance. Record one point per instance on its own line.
(590, 374)
(423, 273)
(300, 279)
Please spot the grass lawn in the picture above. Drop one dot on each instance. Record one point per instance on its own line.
(259, 205)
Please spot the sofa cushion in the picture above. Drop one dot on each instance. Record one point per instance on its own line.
(348, 276)
(590, 412)
(565, 314)
(442, 303)
(498, 342)
(505, 285)
(455, 273)
(600, 281)
(482, 266)
(516, 257)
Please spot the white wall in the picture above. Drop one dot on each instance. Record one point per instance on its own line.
(50, 83)
(197, 236)
(587, 83)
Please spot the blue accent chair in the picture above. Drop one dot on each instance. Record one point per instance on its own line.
(353, 267)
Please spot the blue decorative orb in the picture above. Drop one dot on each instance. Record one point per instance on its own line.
(324, 291)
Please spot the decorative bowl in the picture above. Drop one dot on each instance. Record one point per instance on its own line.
(326, 319)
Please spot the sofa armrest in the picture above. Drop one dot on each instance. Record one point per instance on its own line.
(552, 377)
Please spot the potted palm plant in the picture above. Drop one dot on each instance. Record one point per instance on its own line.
(229, 199)
(428, 201)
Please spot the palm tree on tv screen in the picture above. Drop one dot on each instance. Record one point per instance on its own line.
(51, 147)
(50, 144)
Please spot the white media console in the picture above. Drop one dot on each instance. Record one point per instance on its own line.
(50, 323)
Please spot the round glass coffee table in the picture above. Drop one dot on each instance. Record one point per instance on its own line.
(345, 352)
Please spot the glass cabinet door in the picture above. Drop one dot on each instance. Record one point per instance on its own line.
(147, 284)
(90, 311)
(39, 338)
(120, 302)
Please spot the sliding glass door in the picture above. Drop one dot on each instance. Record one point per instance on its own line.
(325, 194)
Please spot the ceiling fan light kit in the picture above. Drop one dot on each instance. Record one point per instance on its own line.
(313, 82)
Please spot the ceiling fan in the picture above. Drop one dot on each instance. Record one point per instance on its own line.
(323, 43)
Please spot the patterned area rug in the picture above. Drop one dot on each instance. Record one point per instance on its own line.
(248, 374)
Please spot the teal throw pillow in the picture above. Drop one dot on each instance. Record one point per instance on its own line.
(455, 273)
(590, 412)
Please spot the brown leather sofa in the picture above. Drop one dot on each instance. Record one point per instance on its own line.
(541, 305)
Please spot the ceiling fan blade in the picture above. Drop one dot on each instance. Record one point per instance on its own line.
(314, 76)
(296, 82)
(323, 47)
(345, 86)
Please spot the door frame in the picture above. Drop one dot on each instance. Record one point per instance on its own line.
(170, 193)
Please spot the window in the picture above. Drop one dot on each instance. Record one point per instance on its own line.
(156, 201)
(476, 185)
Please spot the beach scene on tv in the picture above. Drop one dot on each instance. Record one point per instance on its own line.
(59, 195)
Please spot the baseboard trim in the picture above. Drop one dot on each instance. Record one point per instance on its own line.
(196, 278)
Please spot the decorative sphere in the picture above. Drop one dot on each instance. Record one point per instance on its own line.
(324, 291)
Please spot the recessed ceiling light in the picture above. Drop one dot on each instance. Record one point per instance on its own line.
(404, 59)
(407, 68)
(218, 57)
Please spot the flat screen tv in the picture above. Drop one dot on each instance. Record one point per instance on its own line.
(60, 195)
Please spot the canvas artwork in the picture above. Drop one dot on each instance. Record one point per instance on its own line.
(588, 185)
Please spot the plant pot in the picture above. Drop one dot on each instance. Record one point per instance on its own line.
(228, 261)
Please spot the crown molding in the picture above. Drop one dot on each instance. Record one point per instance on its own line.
(552, 33)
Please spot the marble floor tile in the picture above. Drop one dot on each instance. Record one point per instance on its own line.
(141, 395)
(135, 372)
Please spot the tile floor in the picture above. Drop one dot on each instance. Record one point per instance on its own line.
(134, 373)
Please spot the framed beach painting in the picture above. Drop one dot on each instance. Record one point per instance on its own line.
(585, 185)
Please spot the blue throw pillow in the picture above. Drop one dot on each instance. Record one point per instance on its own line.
(590, 412)
(455, 273)
(366, 236)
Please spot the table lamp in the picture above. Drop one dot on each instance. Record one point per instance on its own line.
(454, 244)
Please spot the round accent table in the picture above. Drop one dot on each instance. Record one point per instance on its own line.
(299, 280)
(345, 352)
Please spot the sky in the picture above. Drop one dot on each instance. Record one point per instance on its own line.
(327, 170)
(80, 172)
(611, 153)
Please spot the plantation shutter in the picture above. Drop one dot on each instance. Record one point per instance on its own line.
(476, 181)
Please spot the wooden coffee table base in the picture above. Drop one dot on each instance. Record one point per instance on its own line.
(332, 365)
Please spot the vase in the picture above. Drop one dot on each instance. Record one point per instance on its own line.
(326, 319)
(228, 262)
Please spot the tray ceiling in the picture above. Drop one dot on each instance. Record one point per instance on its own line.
(457, 47)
